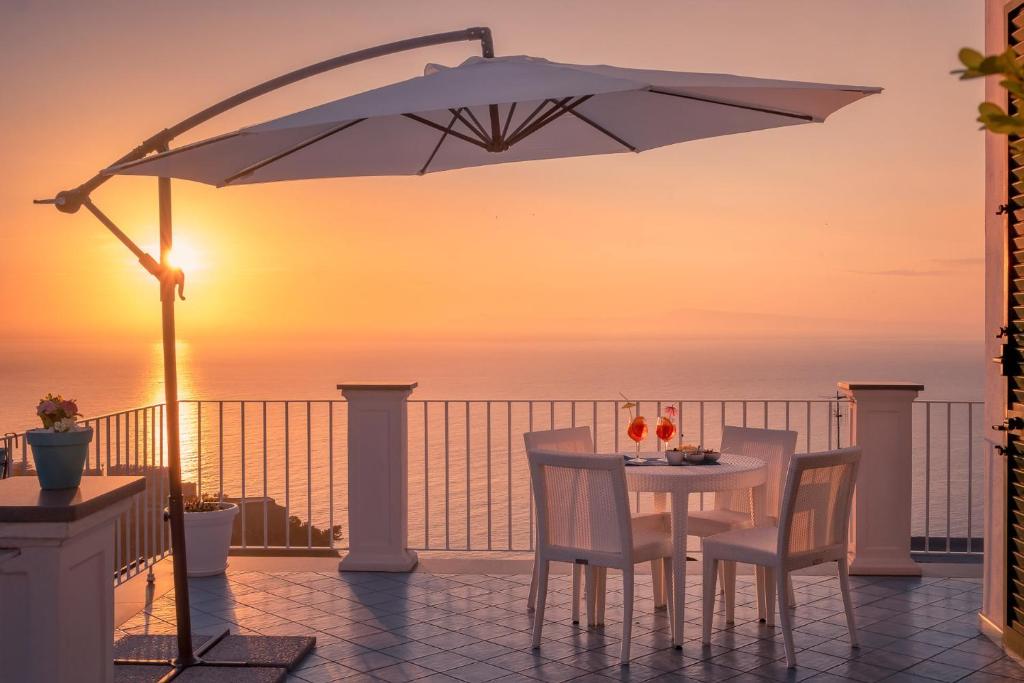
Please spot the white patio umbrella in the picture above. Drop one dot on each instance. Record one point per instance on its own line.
(487, 110)
(497, 110)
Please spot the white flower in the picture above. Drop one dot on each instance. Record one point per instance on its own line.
(65, 424)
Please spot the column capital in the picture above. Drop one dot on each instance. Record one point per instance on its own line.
(852, 388)
(346, 387)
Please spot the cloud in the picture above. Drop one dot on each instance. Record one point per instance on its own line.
(945, 266)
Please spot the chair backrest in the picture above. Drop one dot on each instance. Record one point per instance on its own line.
(775, 447)
(814, 523)
(582, 505)
(570, 440)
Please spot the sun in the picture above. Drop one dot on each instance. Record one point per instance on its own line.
(183, 255)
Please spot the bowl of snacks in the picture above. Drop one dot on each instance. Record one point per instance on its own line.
(695, 457)
(678, 454)
(712, 456)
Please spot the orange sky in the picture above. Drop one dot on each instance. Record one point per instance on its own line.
(870, 224)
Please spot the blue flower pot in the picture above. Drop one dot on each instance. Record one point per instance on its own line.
(59, 456)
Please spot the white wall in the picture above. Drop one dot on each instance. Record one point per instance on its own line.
(995, 306)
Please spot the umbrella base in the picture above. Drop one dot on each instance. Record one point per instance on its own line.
(224, 657)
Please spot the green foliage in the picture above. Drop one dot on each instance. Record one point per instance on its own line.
(204, 503)
(991, 116)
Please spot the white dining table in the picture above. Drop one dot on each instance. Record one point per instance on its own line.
(732, 472)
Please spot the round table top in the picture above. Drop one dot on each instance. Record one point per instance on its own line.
(732, 472)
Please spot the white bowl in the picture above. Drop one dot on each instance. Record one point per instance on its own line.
(695, 458)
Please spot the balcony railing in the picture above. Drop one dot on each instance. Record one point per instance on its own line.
(130, 442)
(285, 463)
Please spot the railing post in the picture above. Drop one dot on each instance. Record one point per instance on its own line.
(881, 422)
(378, 464)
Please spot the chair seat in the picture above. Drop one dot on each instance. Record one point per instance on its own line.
(756, 546)
(652, 536)
(705, 523)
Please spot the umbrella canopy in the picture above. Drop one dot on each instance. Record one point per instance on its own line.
(497, 110)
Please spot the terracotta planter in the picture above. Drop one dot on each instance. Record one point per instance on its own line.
(207, 540)
(59, 457)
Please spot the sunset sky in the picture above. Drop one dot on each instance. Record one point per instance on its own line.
(867, 225)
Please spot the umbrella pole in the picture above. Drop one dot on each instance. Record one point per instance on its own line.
(186, 656)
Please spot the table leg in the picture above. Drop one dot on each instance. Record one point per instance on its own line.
(680, 505)
(657, 568)
(758, 512)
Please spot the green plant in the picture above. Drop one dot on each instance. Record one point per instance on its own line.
(990, 115)
(204, 503)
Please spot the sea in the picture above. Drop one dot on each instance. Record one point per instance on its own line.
(468, 487)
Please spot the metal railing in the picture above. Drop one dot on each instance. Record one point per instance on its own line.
(469, 486)
(285, 463)
(947, 501)
(130, 442)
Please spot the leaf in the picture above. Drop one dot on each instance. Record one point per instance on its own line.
(990, 109)
(970, 58)
(1013, 86)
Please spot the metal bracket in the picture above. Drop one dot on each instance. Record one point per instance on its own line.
(1003, 208)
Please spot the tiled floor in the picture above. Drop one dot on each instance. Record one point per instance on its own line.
(474, 628)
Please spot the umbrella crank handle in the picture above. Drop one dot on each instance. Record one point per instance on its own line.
(170, 278)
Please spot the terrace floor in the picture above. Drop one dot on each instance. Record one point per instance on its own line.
(472, 628)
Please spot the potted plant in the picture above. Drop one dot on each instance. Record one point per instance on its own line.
(61, 447)
(208, 524)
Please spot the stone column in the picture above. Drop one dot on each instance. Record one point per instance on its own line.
(378, 478)
(881, 421)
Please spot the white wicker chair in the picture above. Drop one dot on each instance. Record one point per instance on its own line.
(583, 517)
(732, 508)
(579, 440)
(814, 525)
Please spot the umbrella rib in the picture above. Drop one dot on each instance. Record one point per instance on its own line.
(437, 126)
(750, 107)
(598, 127)
(557, 111)
(508, 120)
(525, 122)
(163, 155)
(477, 131)
(440, 142)
(480, 127)
(248, 170)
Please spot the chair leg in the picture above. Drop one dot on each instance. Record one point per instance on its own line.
(721, 578)
(710, 577)
(542, 597)
(844, 588)
(729, 584)
(760, 587)
(790, 595)
(627, 614)
(531, 601)
(591, 588)
(577, 571)
(769, 597)
(601, 593)
(784, 616)
(666, 564)
(658, 581)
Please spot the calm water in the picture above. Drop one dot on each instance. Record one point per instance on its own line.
(467, 484)
(105, 378)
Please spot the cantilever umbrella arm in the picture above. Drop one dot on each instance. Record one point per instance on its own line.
(171, 278)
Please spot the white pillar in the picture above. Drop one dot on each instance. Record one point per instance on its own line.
(378, 482)
(881, 420)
